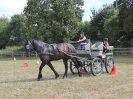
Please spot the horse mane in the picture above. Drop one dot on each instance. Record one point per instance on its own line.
(40, 42)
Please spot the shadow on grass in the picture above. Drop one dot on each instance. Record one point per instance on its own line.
(26, 80)
(69, 75)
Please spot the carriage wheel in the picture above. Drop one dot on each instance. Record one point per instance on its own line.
(96, 66)
(109, 64)
(86, 68)
(73, 69)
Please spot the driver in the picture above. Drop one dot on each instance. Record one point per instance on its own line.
(83, 41)
(82, 37)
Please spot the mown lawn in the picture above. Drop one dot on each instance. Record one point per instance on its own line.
(17, 82)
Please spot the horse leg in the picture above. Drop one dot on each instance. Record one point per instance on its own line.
(80, 65)
(66, 67)
(40, 71)
(76, 62)
(52, 68)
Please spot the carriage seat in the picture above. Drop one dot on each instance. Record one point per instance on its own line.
(97, 49)
(98, 46)
(85, 45)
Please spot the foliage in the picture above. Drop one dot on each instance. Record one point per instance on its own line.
(54, 20)
(125, 17)
(3, 32)
(111, 26)
(61, 20)
(101, 21)
(17, 29)
(11, 49)
(115, 22)
(86, 28)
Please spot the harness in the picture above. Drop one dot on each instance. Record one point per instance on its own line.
(53, 49)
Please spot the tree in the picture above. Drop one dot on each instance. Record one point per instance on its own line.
(17, 29)
(125, 18)
(111, 29)
(104, 23)
(54, 20)
(3, 32)
(87, 30)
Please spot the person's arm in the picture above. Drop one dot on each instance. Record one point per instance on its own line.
(106, 45)
(82, 39)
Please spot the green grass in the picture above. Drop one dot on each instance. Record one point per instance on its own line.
(17, 82)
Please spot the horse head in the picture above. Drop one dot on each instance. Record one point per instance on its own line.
(28, 47)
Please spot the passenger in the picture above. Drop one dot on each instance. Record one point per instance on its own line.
(105, 45)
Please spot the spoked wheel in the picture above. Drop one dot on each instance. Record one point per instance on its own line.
(74, 70)
(96, 66)
(109, 64)
(85, 67)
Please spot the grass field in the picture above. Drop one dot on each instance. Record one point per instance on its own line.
(17, 82)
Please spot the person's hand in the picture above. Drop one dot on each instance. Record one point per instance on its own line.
(78, 41)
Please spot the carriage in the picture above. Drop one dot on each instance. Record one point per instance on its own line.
(92, 58)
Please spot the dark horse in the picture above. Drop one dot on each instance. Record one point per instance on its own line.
(49, 52)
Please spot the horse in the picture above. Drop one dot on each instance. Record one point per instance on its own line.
(51, 52)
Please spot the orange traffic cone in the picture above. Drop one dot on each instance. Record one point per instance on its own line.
(113, 71)
(83, 70)
(25, 65)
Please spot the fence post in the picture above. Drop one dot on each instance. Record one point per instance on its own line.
(132, 51)
(12, 55)
(1, 54)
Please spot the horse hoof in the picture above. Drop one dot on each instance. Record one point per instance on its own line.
(38, 79)
(80, 75)
(56, 76)
(64, 77)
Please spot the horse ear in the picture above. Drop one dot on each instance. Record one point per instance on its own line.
(25, 40)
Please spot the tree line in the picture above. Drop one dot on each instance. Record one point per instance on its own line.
(57, 21)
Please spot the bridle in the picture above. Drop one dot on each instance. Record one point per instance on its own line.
(28, 47)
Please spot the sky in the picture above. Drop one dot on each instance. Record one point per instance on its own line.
(93, 4)
(10, 7)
